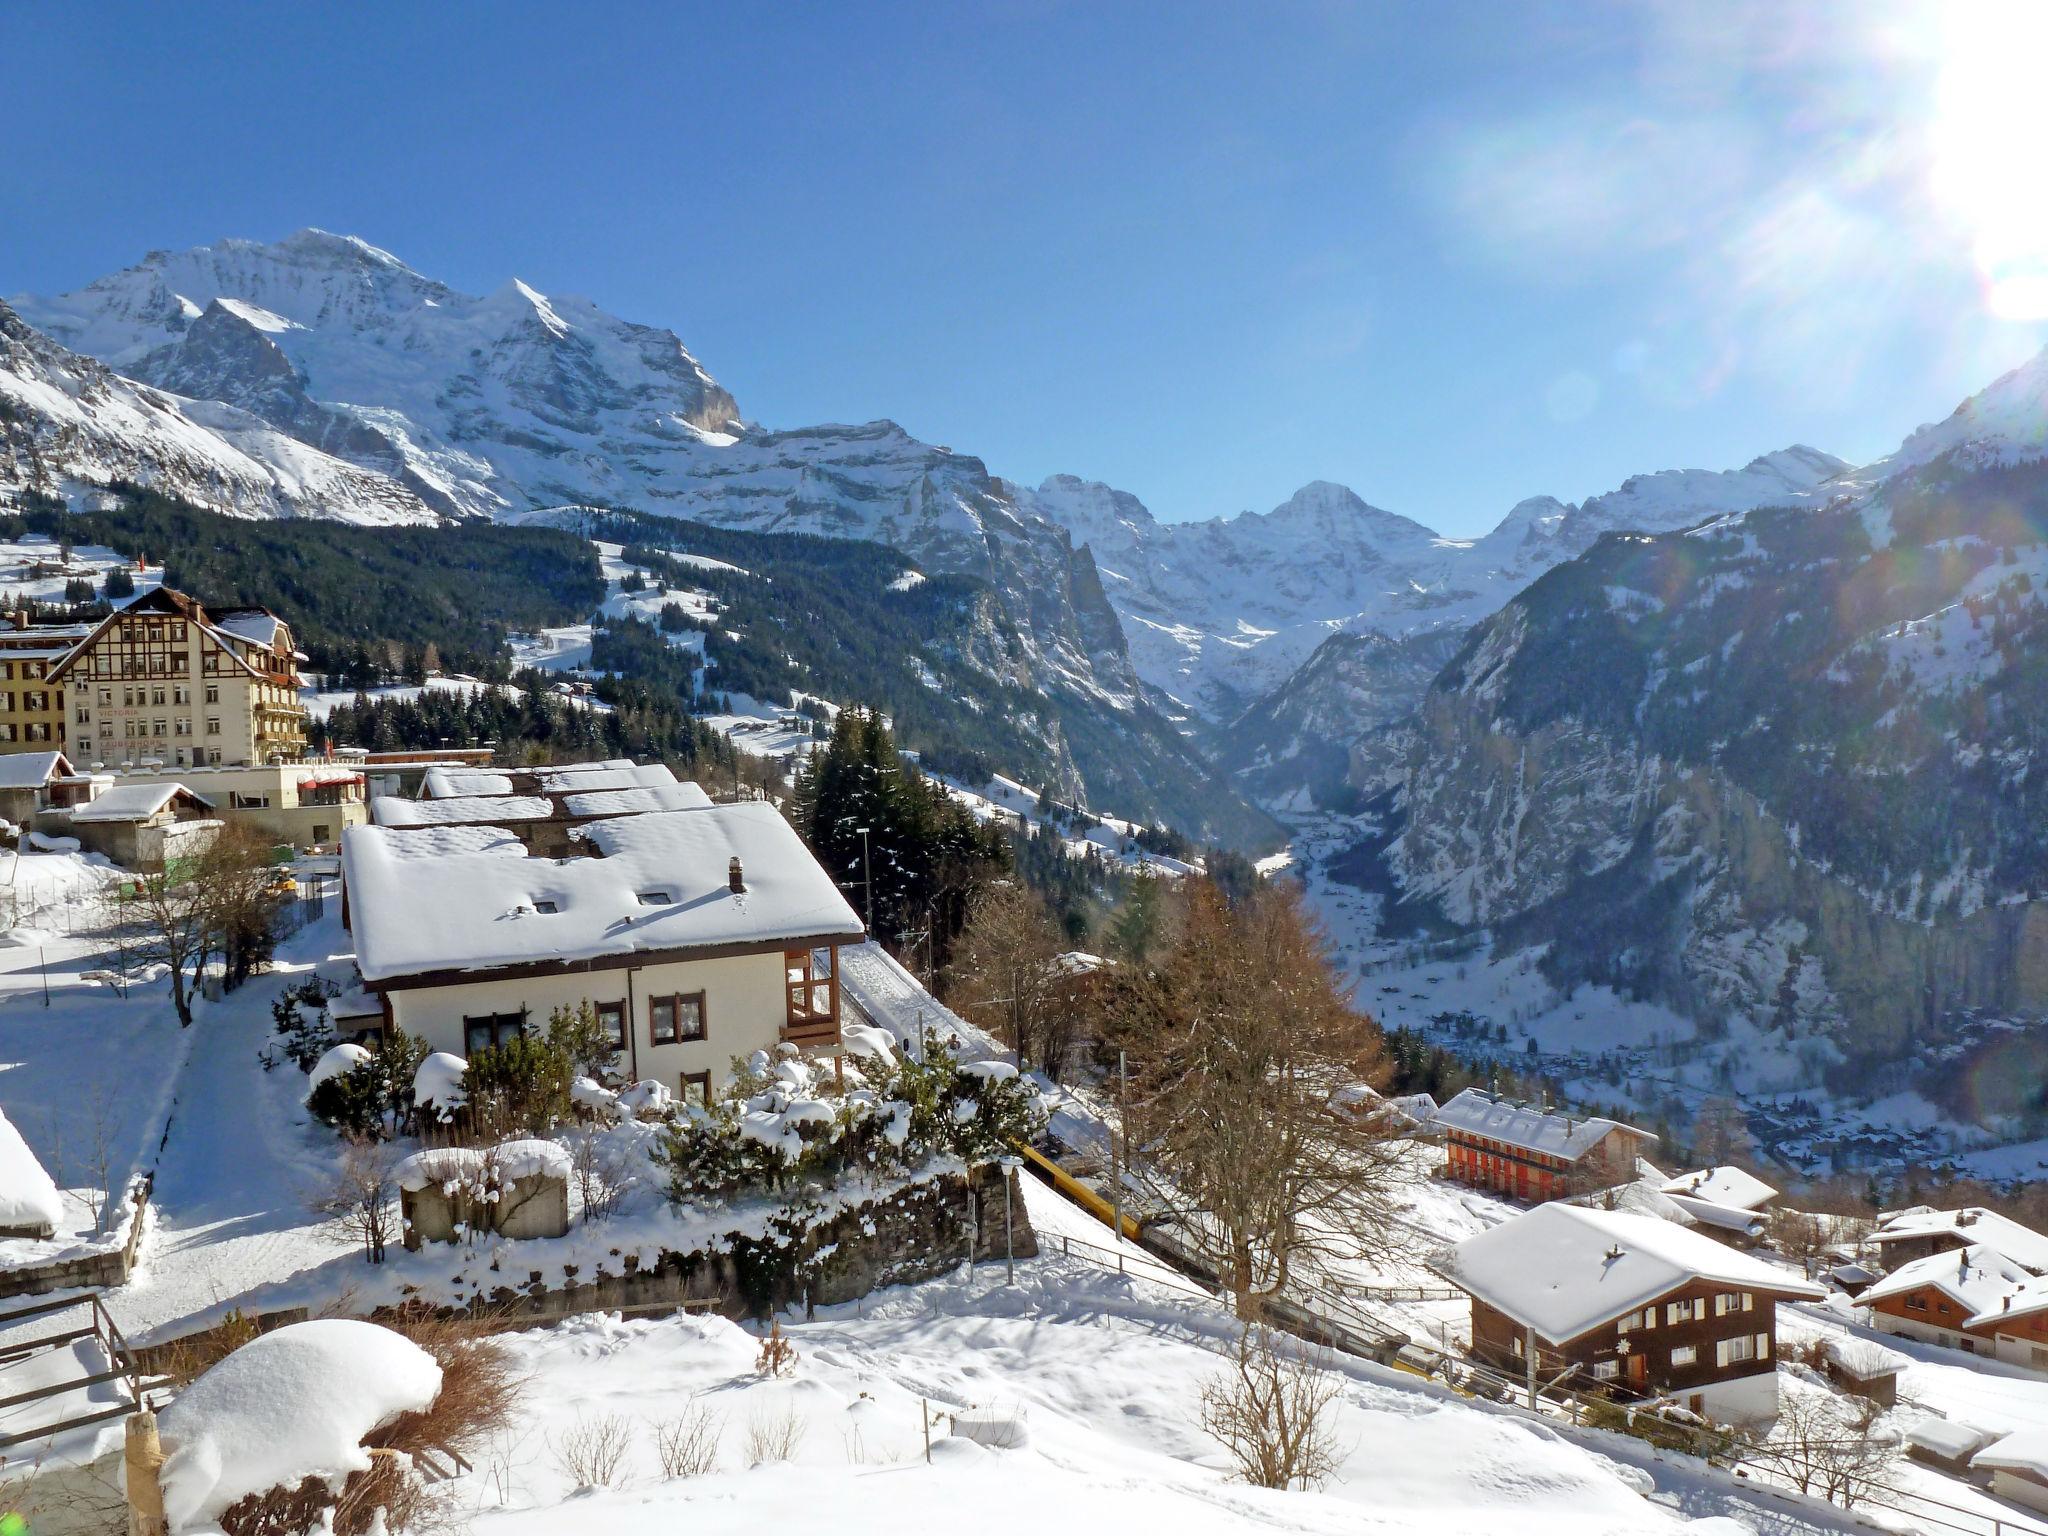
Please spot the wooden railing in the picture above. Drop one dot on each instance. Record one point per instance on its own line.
(97, 1325)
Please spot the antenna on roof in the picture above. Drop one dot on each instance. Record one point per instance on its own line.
(1614, 1253)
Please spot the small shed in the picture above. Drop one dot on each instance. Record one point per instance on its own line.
(1946, 1444)
(2018, 1465)
(139, 826)
(1851, 1278)
(515, 1189)
(1864, 1367)
(25, 780)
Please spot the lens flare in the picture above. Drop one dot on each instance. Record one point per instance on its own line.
(1989, 133)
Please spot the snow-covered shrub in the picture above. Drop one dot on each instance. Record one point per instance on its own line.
(782, 1122)
(304, 1029)
(367, 1093)
(352, 1101)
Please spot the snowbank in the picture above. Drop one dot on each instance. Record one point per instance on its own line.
(28, 1197)
(284, 1407)
(334, 1062)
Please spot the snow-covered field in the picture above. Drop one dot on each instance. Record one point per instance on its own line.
(90, 561)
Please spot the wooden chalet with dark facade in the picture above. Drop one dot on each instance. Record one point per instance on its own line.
(1531, 1153)
(1632, 1305)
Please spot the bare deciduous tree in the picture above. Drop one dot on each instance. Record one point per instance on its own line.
(1822, 1446)
(1271, 1410)
(592, 1451)
(1245, 1051)
(600, 1184)
(361, 1201)
(1004, 976)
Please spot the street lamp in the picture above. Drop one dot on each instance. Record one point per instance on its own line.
(867, 869)
(1010, 1166)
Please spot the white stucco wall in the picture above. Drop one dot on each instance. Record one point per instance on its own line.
(1745, 1400)
(744, 1010)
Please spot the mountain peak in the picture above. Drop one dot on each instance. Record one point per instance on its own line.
(2005, 422)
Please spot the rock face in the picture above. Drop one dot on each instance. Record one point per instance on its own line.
(1779, 767)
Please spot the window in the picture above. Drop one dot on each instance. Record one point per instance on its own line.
(483, 1031)
(1685, 1354)
(321, 831)
(156, 697)
(1606, 1370)
(1734, 1351)
(1916, 1303)
(655, 898)
(1681, 1311)
(695, 1088)
(1733, 1301)
(674, 1019)
(184, 726)
(613, 1017)
(543, 904)
(213, 693)
(181, 694)
(84, 715)
(213, 725)
(1518, 1346)
(811, 987)
(107, 697)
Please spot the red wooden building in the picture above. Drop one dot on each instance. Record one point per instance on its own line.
(1532, 1153)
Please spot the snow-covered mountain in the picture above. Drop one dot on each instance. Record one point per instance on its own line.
(321, 376)
(1778, 768)
(1221, 613)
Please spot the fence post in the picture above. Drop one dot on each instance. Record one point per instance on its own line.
(143, 1454)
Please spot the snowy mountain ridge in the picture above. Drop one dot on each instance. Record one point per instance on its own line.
(1221, 612)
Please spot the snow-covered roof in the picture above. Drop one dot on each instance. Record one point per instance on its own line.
(133, 802)
(447, 842)
(396, 811)
(32, 770)
(1974, 1225)
(288, 1405)
(1525, 1126)
(28, 1196)
(658, 882)
(1729, 1218)
(454, 783)
(1863, 1358)
(680, 796)
(1723, 1185)
(256, 625)
(2024, 1450)
(1948, 1439)
(519, 1159)
(354, 1005)
(586, 778)
(1977, 1279)
(1563, 1270)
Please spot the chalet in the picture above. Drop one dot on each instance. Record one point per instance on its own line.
(1922, 1231)
(1727, 1202)
(697, 935)
(1951, 1298)
(1533, 1153)
(1629, 1304)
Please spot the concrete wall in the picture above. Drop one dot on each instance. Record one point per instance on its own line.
(744, 1010)
(535, 1206)
(133, 845)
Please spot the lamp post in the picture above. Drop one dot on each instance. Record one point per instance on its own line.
(867, 869)
(1010, 1165)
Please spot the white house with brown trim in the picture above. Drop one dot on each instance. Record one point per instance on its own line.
(699, 935)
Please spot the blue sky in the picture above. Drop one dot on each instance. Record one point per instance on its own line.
(1450, 255)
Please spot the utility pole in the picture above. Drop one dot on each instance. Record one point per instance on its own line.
(867, 869)
(1118, 1133)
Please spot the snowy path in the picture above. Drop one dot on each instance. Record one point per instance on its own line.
(243, 1160)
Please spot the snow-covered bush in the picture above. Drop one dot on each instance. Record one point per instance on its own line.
(304, 1029)
(367, 1093)
(782, 1122)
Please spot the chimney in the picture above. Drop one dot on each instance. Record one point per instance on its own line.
(20, 617)
(1967, 1217)
(734, 879)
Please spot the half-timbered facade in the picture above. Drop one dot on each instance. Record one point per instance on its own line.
(1630, 1305)
(165, 680)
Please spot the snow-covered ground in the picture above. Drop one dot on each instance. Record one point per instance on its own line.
(1105, 1375)
(90, 561)
(320, 702)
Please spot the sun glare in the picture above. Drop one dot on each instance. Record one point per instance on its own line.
(1990, 137)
